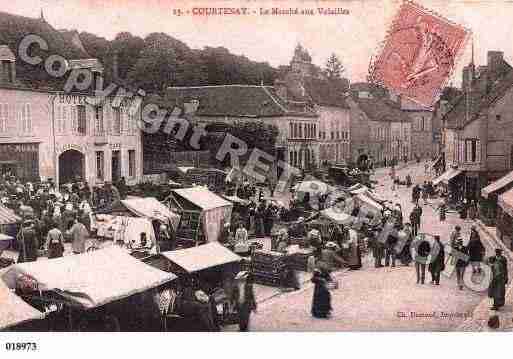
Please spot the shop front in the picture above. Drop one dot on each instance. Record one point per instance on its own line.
(489, 209)
(452, 183)
(20, 160)
(504, 219)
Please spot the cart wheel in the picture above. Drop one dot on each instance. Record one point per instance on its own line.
(111, 323)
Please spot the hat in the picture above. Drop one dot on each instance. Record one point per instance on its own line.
(498, 250)
(242, 275)
(28, 222)
(457, 228)
(301, 219)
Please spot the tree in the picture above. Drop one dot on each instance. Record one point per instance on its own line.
(334, 68)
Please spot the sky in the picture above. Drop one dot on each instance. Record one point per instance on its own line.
(355, 37)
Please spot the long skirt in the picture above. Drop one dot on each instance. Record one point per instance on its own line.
(321, 303)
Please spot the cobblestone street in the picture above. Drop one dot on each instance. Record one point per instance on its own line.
(383, 299)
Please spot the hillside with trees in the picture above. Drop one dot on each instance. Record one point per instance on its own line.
(159, 61)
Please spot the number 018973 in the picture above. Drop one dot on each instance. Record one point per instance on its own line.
(22, 346)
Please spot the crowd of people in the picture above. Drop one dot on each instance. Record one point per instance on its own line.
(51, 216)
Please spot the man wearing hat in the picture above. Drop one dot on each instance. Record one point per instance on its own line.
(28, 242)
(329, 257)
(497, 287)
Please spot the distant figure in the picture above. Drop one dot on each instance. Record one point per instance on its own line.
(497, 287)
(79, 235)
(476, 250)
(321, 301)
(245, 299)
(437, 264)
(28, 242)
(55, 242)
(422, 250)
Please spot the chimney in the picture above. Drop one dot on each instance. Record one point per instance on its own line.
(281, 89)
(495, 61)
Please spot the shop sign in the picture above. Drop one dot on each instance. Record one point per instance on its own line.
(19, 147)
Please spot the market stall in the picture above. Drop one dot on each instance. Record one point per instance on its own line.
(489, 198)
(368, 206)
(211, 268)
(15, 312)
(151, 208)
(504, 219)
(203, 214)
(84, 286)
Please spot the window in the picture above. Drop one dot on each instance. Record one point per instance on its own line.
(498, 117)
(472, 151)
(131, 163)
(300, 131)
(291, 130)
(116, 122)
(4, 117)
(100, 161)
(81, 119)
(98, 116)
(332, 135)
(26, 119)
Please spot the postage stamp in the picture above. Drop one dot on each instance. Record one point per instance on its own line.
(419, 53)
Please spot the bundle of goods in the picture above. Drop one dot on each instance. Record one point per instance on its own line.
(268, 267)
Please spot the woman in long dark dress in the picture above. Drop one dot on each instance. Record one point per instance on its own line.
(321, 303)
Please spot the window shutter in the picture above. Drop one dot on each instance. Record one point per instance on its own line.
(478, 151)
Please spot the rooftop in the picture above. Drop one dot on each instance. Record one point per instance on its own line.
(233, 101)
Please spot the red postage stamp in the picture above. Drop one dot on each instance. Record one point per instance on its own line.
(419, 54)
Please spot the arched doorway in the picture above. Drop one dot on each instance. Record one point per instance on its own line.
(71, 166)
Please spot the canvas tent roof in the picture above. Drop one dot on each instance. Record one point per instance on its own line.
(202, 257)
(151, 208)
(337, 216)
(7, 216)
(497, 185)
(14, 310)
(369, 203)
(91, 279)
(202, 198)
(506, 202)
(447, 176)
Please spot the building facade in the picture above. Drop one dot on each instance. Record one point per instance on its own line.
(422, 129)
(297, 123)
(51, 134)
(478, 131)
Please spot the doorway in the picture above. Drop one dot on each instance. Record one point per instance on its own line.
(116, 166)
(71, 166)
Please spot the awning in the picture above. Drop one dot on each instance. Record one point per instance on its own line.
(91, 279)
(369, 204)
(151, 208)
(7, 216)
(447, 176)
(237, 200)
(497, 185)
(437, 162)
(202, 257)
(505, 201)
(337, 216)
(202, 198)
(14, 310)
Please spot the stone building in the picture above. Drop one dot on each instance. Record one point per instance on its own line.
(297, 123)
(422, 129)
(47, 133)
(380, 130)
(304, 83)
(478, 128)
